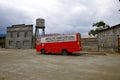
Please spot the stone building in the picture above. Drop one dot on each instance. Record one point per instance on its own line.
(109, 39)
(19, 36)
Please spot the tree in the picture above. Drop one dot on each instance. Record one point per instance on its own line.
(101, 25)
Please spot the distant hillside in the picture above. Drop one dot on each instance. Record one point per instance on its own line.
(2, 35)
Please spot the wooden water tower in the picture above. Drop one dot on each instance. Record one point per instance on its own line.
(40, 24)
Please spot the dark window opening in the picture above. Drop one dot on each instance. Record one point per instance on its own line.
(25, 35)
(11, 34)
(18, 34)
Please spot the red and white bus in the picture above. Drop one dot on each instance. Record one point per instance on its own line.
(60, 43)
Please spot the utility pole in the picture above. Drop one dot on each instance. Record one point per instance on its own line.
(119, 1)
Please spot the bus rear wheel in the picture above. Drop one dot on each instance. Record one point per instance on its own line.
(64, 52)
(43, 51)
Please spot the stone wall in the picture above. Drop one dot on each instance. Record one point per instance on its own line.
(89, 44)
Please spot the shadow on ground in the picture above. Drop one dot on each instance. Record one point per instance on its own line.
(56, 54)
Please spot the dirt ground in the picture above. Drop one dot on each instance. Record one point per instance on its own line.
(26, 64)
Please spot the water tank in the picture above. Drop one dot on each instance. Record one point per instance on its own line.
(40, 23)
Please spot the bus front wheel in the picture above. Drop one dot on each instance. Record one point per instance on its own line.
(64, 52)
(43, 51)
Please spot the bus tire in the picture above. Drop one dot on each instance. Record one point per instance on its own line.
(64, 52)
(43, 51)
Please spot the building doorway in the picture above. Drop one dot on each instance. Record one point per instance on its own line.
(119, 45)
(18, 45)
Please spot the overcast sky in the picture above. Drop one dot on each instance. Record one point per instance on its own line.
(61, 16)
